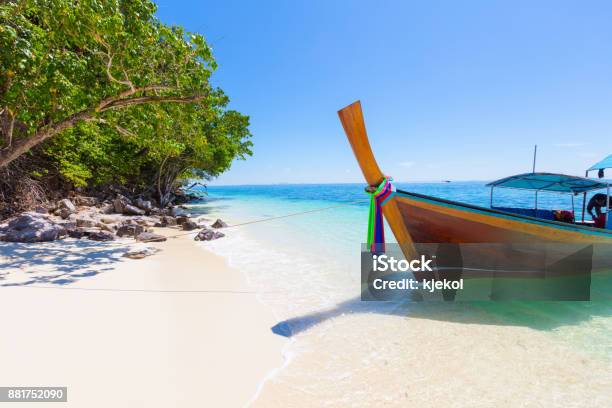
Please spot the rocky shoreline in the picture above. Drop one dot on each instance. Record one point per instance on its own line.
(82, 217)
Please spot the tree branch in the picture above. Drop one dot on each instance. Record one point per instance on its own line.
(139, 100)
(130, 92)
(23, 145)
(121, 130)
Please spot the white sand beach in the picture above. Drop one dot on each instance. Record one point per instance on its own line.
(177, 329)
(183, 329)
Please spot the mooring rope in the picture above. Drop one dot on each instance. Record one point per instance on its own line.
(331, 207)
(194, 291)
(119, 244)
(379, 196)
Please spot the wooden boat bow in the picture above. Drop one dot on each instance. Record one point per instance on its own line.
(354, 126)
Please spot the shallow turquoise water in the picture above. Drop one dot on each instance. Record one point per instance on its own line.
(307, 263)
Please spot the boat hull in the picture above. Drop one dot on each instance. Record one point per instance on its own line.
(523, 257)
(433, 220)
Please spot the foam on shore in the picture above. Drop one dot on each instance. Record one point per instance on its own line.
(348, 352)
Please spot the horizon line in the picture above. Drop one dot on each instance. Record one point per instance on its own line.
(345, 182)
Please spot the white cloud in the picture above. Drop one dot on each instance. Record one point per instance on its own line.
(407, 164)
(569, 145)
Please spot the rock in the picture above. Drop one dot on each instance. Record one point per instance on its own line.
(88, 231)
(129, 230)
(77, 233)
(27, 220)
(139, 253)
(68, 225)
(145, 221)
(118, 206)
(64, 213)
(107, 208)
(190, 226)
(219, 224)
(208, 235)
(150, 237)
(181, 220)
(101, 236)
(132, 210)
(162, 222)
(106, 227)
(169, 221)
(174, 211)
(144, 204)
(85, 222)
(86, 201)
(67, 205)
(120, 203)
(51, 233)
(32, 227)
(109, 219)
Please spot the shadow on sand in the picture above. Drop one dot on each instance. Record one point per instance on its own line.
(58, 263)
(539, 315)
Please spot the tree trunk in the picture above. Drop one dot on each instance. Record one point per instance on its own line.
(7, 123)
(23, 145)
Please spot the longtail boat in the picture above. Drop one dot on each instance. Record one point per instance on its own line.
(417, 218)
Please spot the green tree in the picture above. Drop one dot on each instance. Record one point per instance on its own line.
(65, 62)
(202, 148)
(153, 149)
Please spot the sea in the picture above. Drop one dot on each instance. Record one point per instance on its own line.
(299, 248)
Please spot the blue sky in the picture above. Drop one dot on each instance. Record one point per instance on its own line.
(450, 90)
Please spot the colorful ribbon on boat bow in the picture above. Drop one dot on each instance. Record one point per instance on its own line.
(376, 227)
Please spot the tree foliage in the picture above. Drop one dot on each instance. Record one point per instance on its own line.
(110, 94)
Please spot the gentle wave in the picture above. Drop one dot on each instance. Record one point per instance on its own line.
(306, 269)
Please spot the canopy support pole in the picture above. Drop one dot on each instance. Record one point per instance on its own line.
(607, 205)
(586, 175)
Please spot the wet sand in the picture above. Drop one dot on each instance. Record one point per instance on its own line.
(372, 359)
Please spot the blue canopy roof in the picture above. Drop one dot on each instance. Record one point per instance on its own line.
(560, 183)
(604, 164)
